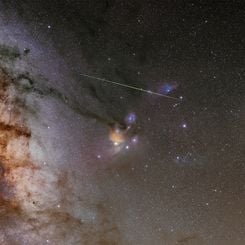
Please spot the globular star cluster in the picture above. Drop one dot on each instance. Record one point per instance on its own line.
(122, 122)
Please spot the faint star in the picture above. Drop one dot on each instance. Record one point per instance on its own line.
(135, 139)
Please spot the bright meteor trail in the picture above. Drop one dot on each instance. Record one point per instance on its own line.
(128, 86)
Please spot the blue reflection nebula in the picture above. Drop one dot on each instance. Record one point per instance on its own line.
(168, 87)
(130, 118)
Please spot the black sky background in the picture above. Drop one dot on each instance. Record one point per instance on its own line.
(200, 43)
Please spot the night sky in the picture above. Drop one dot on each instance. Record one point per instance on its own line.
(149, 150)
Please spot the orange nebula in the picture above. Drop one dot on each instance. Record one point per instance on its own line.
(117, 135)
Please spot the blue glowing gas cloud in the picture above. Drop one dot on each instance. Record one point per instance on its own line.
(130, 118)
(167, 88)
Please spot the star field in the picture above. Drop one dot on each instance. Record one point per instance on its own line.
(109, 160)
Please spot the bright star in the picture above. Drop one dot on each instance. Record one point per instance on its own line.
(184, 125)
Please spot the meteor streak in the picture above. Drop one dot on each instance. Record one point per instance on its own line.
(128, 86)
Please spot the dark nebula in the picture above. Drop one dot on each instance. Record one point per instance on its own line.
(84, 161)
